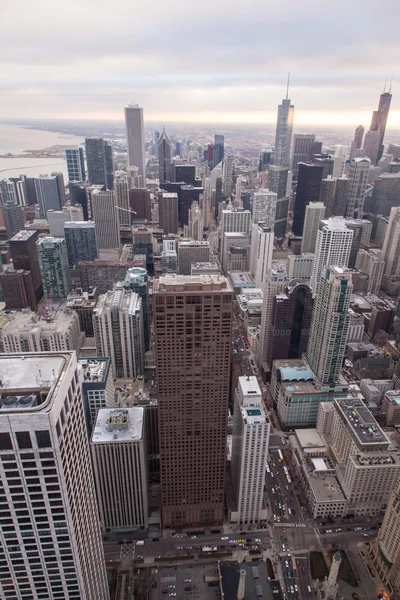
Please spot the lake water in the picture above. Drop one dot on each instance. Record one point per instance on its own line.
(16, 139)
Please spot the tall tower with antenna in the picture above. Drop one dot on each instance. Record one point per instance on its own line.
(284, 131)
(380, 117)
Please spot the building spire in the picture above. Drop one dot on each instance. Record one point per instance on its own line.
(390, 86)
(384, 89)
(287, 87)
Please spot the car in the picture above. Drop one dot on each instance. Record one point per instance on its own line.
(257, 540)
(188, 588)
(164, 591)
(194, 537)
(232, 541)
(249, 540)
(328, 531)
(338, 529)
(155, 539)
(365, 535)
(278, 519)
(357, 528)
(302, 569)
(286, 564)
(240, 541)
(295, 587)
(172, 595)
(224, 537)
(242, 533)
(171, 587)
(309, 588)
(292, 589)
(187, 580)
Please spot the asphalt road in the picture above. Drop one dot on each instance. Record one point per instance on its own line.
(283, 501)
(303, 577)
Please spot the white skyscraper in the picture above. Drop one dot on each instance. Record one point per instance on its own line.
(237, 220)
(264, 207)
(275, 282)
(333, 247)
(283, 136)
(105, 215)
(391, 244)
(58, 218)
(118, 331)
(50, 542)
(135, 139)
(251, 430)
(339, 158)
(315, 211)
(227, 174)
(358, 175)
(121, 189)
(120, 468)
(329, 325)
(261, 249)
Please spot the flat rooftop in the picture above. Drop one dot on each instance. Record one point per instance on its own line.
(309, 438)
(294, 370)
(95, 370)
(249, 386)
(119, 425)
(188, 283)
(239, 278)
(361, 421)
(326, 487)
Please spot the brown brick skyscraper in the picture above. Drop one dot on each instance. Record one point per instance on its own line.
(192, 318)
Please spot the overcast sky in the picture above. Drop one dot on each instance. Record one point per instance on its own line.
(207, 60)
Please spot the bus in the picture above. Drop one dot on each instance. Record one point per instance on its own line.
(280, 455)
(287, 474)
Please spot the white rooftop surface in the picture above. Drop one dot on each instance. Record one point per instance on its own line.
(22, 372)
(309, 438)
(319, 464)
(132, 433)
(249, 386)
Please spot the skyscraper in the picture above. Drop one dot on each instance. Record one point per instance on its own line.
(333, 247)
(264, 207)
(235, 220)
(315, 211)
(379, 119)
(51, 543)
(24, 254)
(284, 130)
(121, 189)
(75, 164)
(334, 194)
(358, 175)
(109, 158)
(227, 174)
(261, 249)
(58, 218)
(274, 284)
(219, 149)
(53, 261)
(164, 158)
(81, 241)
(118, 331)
(168, 213)
(278, 177)
(99, 162)
(251, 429)
(302, 143)
(61, 185)
(195, 222)
(135, 139)
(358, 136)
(308, 190)
(13, 218)
(190, 252)
(48, 194)
(391, 245)
(106, 217)
(137, 280)
(192, 322)
(329, 325)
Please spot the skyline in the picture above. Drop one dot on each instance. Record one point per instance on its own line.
(218, 67)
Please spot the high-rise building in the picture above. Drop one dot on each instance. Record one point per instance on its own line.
(24, 254)
(290, 322)
(219, 148)
(371, 263)
(329, 325)
(58, 218)
(261, 249)
(237, 220)
(81, 241)
(379, 119)
(195, 226)
(168, 212)
(358, 136)
(385, 195)
(137, 280)
(302, 143)
(53, 261)
(300, 266)
(97, 387)
(120, 468)
(54, 547)
(227, 174)
(75, 164)
(283, 136)
(140, 203)
(361, 229)
(277, 180)
(164, 158)
(192, 323)
(326, 161)
(308, 190)
(372, 145)
(60, 185)
(78, 194)
(339, 159)
(190, 252)
(264, 207)
(122, 202)
(83, 303)
(274, 284)
(251, 430)
(135, 139)
(13, 218)
(315, 212)
(358, 175)
(391, 245)
(48, 194)
(17, 288)
(118, 329)
(334, 194)
(99, 162)
(235, 252)
(333, 247)
(106, 217)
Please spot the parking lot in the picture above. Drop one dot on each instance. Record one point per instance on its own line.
(185, 583)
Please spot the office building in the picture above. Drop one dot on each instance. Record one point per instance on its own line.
(329, 325)
(53, 262)
(140, 203)
(195, 222)
(301, 148)
(391, 245)
(235, 252)
(326, 161)
(371, 263)
(333, 247)
(277, 180)
(83, 303)
(135, 140)
(334, 194)
(137, 280)
(299, 266)
(372, 146)
(281, 215)
(308, 190)
(122, 201)
(315, 212)
(193, 376)
(118, 330)
(168, 213)
(75, 164)
(261, 249)
(290, 322)
(184, 173)
(99, 162)
(361, 229)
(164, 158)
(358, 175)
(385, 195)
(120, 469)
(17, 288)
(169, 256)
(8, 191)
(106, 217)
(379, 120)
(227, 174)
(264, 207)
(58, 218)
(251, 430)
(48, 194)
(81, 241)
(283, 135)
(13, 218)
(42, 426)
(78, 194)
(274, 284)
(218, 150)
(339, 159)
(237, 220)
(24, 255)
(190, 252)
(358, 137)
(97, 387)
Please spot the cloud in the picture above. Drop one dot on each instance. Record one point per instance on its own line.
(89, 58)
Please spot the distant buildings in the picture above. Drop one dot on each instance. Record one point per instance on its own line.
(99, 162)
(135, 139)
(164, 158)
(58, 218)
(315, 211)
(264, 207)
(262, 246)
(301, 150)
(168, 212)
(358, 175)
(24, 254)
(283, 135)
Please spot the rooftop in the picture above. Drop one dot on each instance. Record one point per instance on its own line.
(189, 283)
(309, 438)
(22, 236)
(119, 425)
(193, 243)
(239, 278)
(361, 421)
(294, 370)
(79, 224)
(249, 386)
(95, 370)
(325, 487)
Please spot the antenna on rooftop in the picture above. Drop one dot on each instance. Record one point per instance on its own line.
(384, 89)
(390, 86)
(287, 86)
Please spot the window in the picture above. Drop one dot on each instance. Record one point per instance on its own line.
(23, 439)
(43, 439)
(5, 441)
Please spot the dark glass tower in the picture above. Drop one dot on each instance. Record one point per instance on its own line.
(308, 190)
(379, 118)
(100, 164)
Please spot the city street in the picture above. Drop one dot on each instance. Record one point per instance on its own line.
(285, 507)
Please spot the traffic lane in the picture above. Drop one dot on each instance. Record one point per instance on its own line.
(286, 487)
(280, 493)
(303, 578)
(289, 577)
